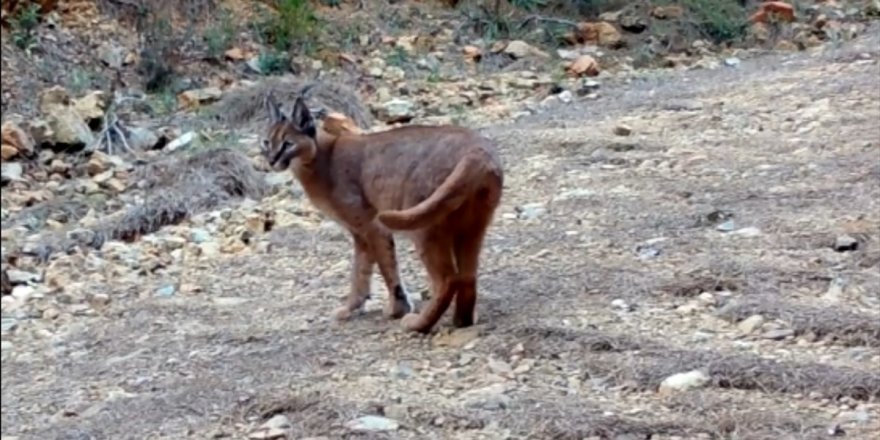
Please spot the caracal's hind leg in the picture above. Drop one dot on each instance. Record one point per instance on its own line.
(435, 251)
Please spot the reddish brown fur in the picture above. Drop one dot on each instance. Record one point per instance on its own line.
(437, 185)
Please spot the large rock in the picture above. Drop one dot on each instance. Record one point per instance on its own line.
(16, 142)
(396, 110)
(92, 106)
(521, 49)
(67, 125)
(600, 33)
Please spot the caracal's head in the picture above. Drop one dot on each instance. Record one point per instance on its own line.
(290, 137)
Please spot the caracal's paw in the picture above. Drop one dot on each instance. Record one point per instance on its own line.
(344, 313)
(413, 322)
(397, 309)
(464, 321)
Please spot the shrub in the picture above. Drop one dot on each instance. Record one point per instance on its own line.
(23, 26)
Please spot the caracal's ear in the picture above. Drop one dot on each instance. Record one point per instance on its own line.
(273, 109)
(302, 118)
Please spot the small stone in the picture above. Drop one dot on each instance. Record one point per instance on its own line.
(584, 65)
(521, 49)
(22, 277)
(778, 334)
(372, 424)
(182, 141)
(684, 381)
(112, 54)
(197, 97)
(6, 346)
(235, 54)
(22, 293)
(531, 211)
(8, 152)
(397, 110)
(707, 298)
(167, 290)
(99, 300)
(500, 368)
(726, 226)
(750, 231)
(750, 324)
(275, 428)
(689, 308)
(731, 62)
(199, 235)
(846, 243)
(11, 172)
(620, 304)
(51, 313)
(622, 130)
(142, 138)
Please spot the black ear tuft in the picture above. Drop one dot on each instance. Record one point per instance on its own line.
(302, 118)
(272, 108)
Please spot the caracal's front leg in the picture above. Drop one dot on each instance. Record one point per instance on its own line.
(382, 245)
(361, 272)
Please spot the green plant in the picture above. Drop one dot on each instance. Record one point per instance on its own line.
(398, 57)
(220, 36)
(294, 24)
(272, 62)
(164, 102)
(23, 26)
(80, 80)
(719, 20)
(528, 5)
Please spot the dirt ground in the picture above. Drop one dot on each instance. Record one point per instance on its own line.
(612, 264)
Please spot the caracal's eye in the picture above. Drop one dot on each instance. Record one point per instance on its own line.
(287, 144)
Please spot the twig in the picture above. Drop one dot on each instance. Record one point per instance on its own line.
(548, 20)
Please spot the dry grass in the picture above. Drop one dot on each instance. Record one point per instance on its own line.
(730, 417)
(178, 188)
(244, 106)
(174, 189)
(642, 365)
(831, 323)
(646, 369)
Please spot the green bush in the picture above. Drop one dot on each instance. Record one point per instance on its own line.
(220, 36)
(719, 20)
(273, 62)
(23, 26)
(295, 25)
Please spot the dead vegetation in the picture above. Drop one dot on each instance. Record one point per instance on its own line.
(645, 369)
(830, 323)
(171, 190)
(244, 106)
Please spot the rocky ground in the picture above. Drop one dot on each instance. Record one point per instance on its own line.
(689, 249)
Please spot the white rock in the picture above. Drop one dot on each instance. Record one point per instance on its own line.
(372, 423)
(750, 324)
(683, 381)
(182, 141)
(274, 428)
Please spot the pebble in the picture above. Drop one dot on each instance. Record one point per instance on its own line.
(751, 324)
(623, 130)
(274, 428)
(846, 243)
(372, 424)
(778, 334)
(684, 381)
(167, 290)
